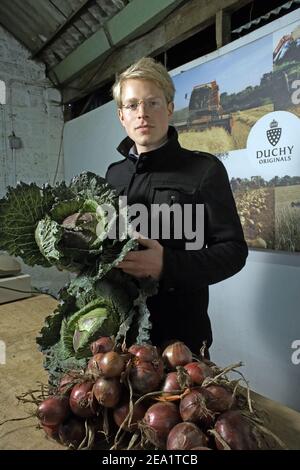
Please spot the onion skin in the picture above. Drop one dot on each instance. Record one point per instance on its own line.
(221, 399)
(146, 377)
(82, 401)
(51, 431)
(93, 367)
(236, 431)
(201, 448)
(172, 385)
(107, 391)
(102, 345)
(193, 408)
(67, 382)
(198, 371)
(53, 411)
(185, 436)
(145, 352)
(111, 364)
(177, 354)
(72, 432)
(121, 412)
(159, 419)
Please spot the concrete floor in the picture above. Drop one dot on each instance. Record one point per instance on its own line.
(20, 322)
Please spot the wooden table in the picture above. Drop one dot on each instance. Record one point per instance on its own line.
(283, 421)
(20, 322)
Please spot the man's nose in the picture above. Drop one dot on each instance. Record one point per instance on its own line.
(142, 109)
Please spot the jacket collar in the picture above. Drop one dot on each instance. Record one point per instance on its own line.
(154, 158)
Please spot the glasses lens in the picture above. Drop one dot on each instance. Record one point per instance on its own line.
(150, 104)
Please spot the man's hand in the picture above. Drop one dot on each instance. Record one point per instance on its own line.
(144, 263)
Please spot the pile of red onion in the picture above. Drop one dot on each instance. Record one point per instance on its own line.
(170, 401)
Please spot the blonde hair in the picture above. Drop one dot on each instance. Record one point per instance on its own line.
(145, 69)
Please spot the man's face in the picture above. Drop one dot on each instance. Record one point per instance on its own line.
(144, 113)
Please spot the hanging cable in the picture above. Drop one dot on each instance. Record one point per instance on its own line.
(4, 140)
(59, 154)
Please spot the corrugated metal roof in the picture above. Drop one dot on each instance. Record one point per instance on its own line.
(51, 29)
(267, 16)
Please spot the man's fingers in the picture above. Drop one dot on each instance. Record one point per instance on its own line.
(147, 242)
(131, 256)
(125, 264)
(133, 272)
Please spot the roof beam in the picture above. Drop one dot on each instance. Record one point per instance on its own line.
(138, 16)
(75, 15)
(185, 21)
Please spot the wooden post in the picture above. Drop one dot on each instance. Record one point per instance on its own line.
(223, 28)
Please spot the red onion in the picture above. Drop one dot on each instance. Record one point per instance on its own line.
(145, 377)
(171, 383)
(82, 401)
(72, 432)
(185, 436)
(145, 352)
(221, 399)
(102, 345)
(201, 448)
(107, 391)
(51, 431)
(111, 364)
(236, 431)
(121, 412)
(93, 366)
(193, 408)
(198, 371)
(53, 410)
(177, 354)
(67, 382)
(159, 419)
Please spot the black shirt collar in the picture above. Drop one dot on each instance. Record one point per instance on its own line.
(156, 157)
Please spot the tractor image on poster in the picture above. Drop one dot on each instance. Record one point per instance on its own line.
(205, 110)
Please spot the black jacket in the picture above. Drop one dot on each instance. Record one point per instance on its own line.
(172, 174)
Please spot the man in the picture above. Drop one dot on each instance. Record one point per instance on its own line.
(156, 170)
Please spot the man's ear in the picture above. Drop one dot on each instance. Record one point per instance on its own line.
(170, 109)
(120, 114)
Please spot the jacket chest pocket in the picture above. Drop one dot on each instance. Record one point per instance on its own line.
(170, 204)
(173, 195)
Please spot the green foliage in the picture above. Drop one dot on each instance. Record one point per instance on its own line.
(64, 226)
(32, 225)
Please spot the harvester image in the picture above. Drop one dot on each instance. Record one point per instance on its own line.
(205, 109)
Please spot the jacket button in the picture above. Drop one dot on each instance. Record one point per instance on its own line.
(171, 289)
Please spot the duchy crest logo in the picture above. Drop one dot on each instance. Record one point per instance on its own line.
(274, 133)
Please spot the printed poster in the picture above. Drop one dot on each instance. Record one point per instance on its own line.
(244, 107)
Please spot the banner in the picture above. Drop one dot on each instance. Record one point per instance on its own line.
(244, 107)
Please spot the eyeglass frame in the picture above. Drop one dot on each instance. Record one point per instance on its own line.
(133, 106)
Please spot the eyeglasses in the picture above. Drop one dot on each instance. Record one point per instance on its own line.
(152, 104)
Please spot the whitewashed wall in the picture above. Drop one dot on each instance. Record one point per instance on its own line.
(33, 111)
(90, 141)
